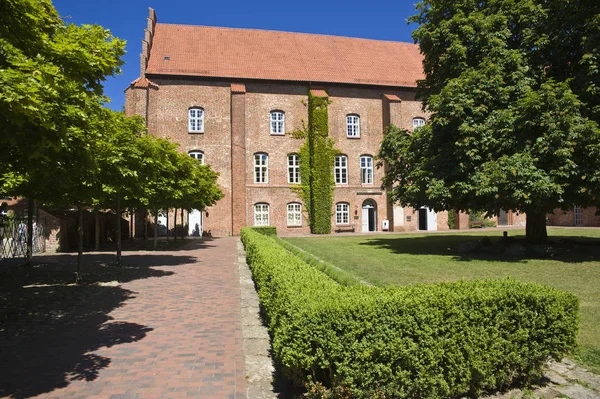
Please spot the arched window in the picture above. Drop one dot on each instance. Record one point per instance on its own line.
(196, 120)
(294, 214)
(199, 155)
(277, 122)
(353, 125)
(417, 123)
(340, 169)
(294, 169)
(342, 213)
(261, 214)
(261, 168)
(366, 169)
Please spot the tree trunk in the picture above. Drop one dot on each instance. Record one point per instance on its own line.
(167, 237)
(97, 229)
(30, 207)
(79, 243)
(535, 228)
(175, 224)
(155, 229)
(182, 228)
(131, 215)
(145, 224)
(118, 212)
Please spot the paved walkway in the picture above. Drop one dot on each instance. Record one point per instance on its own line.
(172, 331)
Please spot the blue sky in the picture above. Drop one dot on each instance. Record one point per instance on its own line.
(375, 19)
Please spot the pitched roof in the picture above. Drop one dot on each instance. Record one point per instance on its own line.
(273, 55)
(143, 83)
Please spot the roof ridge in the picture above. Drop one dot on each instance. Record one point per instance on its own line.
(290, 32)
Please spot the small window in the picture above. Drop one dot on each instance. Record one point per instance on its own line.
(199, 155)
(277, 122)
(417, 123)
(196, 120)
(261, 168)
(261, 214)
(366, 169)
(341, 169)
(294, 214)
(293, 169)
(342, 213)
(353, 126)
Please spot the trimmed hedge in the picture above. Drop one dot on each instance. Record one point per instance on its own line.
(422, 341)
(270, 231)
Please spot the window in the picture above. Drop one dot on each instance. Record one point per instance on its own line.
(341, 169)
(353, 125)
(366, 169)
(261, 214)
(277, 122)
(199, 155)
(293, 169)
(261, 165)
(342, 213)
(294, 214)
(196, 120)
(417, 123)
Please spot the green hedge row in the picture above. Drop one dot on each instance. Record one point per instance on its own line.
(270, 231)
(423, 341)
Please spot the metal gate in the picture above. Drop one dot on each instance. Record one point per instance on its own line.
(13, 238)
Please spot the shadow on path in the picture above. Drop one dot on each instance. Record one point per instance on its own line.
(50, 328)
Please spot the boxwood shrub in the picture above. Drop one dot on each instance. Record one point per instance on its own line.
(270, 231)
(421, 341)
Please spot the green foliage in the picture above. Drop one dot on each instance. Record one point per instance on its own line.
(426, 341)
(270, 231)
(50, 81)
(316, 166)
(510, 86)
(337, 274)
(451, 219)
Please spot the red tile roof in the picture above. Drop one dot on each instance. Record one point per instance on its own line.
(319, 93)
(144, 83)
(238, 88)
(272, 55)
(392, 97)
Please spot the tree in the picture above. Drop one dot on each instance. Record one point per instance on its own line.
(509, 128)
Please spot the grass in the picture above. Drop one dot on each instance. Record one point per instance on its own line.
(404, 259)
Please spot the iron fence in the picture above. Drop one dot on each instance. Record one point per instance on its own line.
(13, 238)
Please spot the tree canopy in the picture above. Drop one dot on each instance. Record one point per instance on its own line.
(512, 91)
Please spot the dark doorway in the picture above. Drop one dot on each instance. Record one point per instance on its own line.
(423, 219)
(502, 218)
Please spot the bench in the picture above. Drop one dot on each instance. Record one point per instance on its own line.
(477, 224)
(341, 229)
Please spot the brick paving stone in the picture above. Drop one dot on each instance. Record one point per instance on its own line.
(191, 345)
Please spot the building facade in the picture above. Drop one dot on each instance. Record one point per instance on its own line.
(230, 98)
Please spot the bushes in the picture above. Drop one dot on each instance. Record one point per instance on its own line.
(270, 231)
(425, 341)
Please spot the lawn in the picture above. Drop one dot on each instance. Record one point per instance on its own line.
(403, 259)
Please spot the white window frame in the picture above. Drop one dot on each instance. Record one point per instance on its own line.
(294, 214)
(353, 126)
(294, 169)
(196, 120)
(340, 169)
(261, 168)
(198, 155)
(277, 119)
(261, 214)
(366, 169)
(418, 123)
(342, 213)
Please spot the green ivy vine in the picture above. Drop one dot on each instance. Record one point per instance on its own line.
(316, 165)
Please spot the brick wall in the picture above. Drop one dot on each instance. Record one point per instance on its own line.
(567, 218)
(243, 118)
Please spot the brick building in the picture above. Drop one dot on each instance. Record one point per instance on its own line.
(229, 96)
